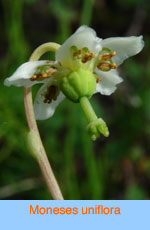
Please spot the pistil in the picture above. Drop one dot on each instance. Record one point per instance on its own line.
(87, 109)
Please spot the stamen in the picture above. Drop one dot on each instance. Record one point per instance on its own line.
(77, 53)
(83, 54)
(98, 79)
(107, 56)
(41, 77)
(33, 78)
(104, 66)
(51, 94)
(87, 57)
(113, 54)
(113, 66)
(105, 62)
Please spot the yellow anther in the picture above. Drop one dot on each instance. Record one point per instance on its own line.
(45, 75)
(98, 79)
(87, 57)
(113, 54)
(107, 56)
(77, 53)
(40, 77)
(113, 66)
(104, 57)
(33, 78)
(104, 66)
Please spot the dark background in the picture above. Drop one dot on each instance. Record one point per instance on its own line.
(117, 167)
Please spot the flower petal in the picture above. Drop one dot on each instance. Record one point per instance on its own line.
(83, 37)
(109, 81)
(44, 110)
(124, 47)
(22, 75)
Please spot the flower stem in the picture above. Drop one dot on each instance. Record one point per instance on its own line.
(38, 52)
(87, 109)
(41, 154)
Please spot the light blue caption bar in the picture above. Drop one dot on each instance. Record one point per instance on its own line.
(78, 215)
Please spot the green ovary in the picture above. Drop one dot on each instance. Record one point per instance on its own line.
(77, 84)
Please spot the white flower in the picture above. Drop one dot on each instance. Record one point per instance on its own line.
(82, 50)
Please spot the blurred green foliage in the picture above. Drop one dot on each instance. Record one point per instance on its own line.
(117, 167)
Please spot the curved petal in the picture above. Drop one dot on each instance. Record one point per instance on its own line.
(22, 75)
(43, 110)
(109, 81)
(83, 37)
(124, 47)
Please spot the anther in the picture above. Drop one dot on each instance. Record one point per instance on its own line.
(104, 66)
(113, 54)
(45, 75)
(87, 57)
(113, 66)
(33, 78)
(107, 56)
(77, 53)
(98, 79)
(51, 94)
(40, 77)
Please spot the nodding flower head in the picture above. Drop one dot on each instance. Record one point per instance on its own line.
(84, 65)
